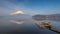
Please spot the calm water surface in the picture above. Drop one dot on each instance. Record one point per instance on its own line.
(9, 26)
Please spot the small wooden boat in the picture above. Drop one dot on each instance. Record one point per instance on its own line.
(44, 24)
(47, 25)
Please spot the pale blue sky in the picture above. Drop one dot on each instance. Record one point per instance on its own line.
(30, 6)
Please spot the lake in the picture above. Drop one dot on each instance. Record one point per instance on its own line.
(17, 26)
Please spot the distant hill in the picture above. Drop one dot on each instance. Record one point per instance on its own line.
(55, 14)
(49, 17)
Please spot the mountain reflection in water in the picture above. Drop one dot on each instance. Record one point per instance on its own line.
(17, 22)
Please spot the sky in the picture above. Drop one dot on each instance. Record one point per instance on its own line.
(32, 7)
